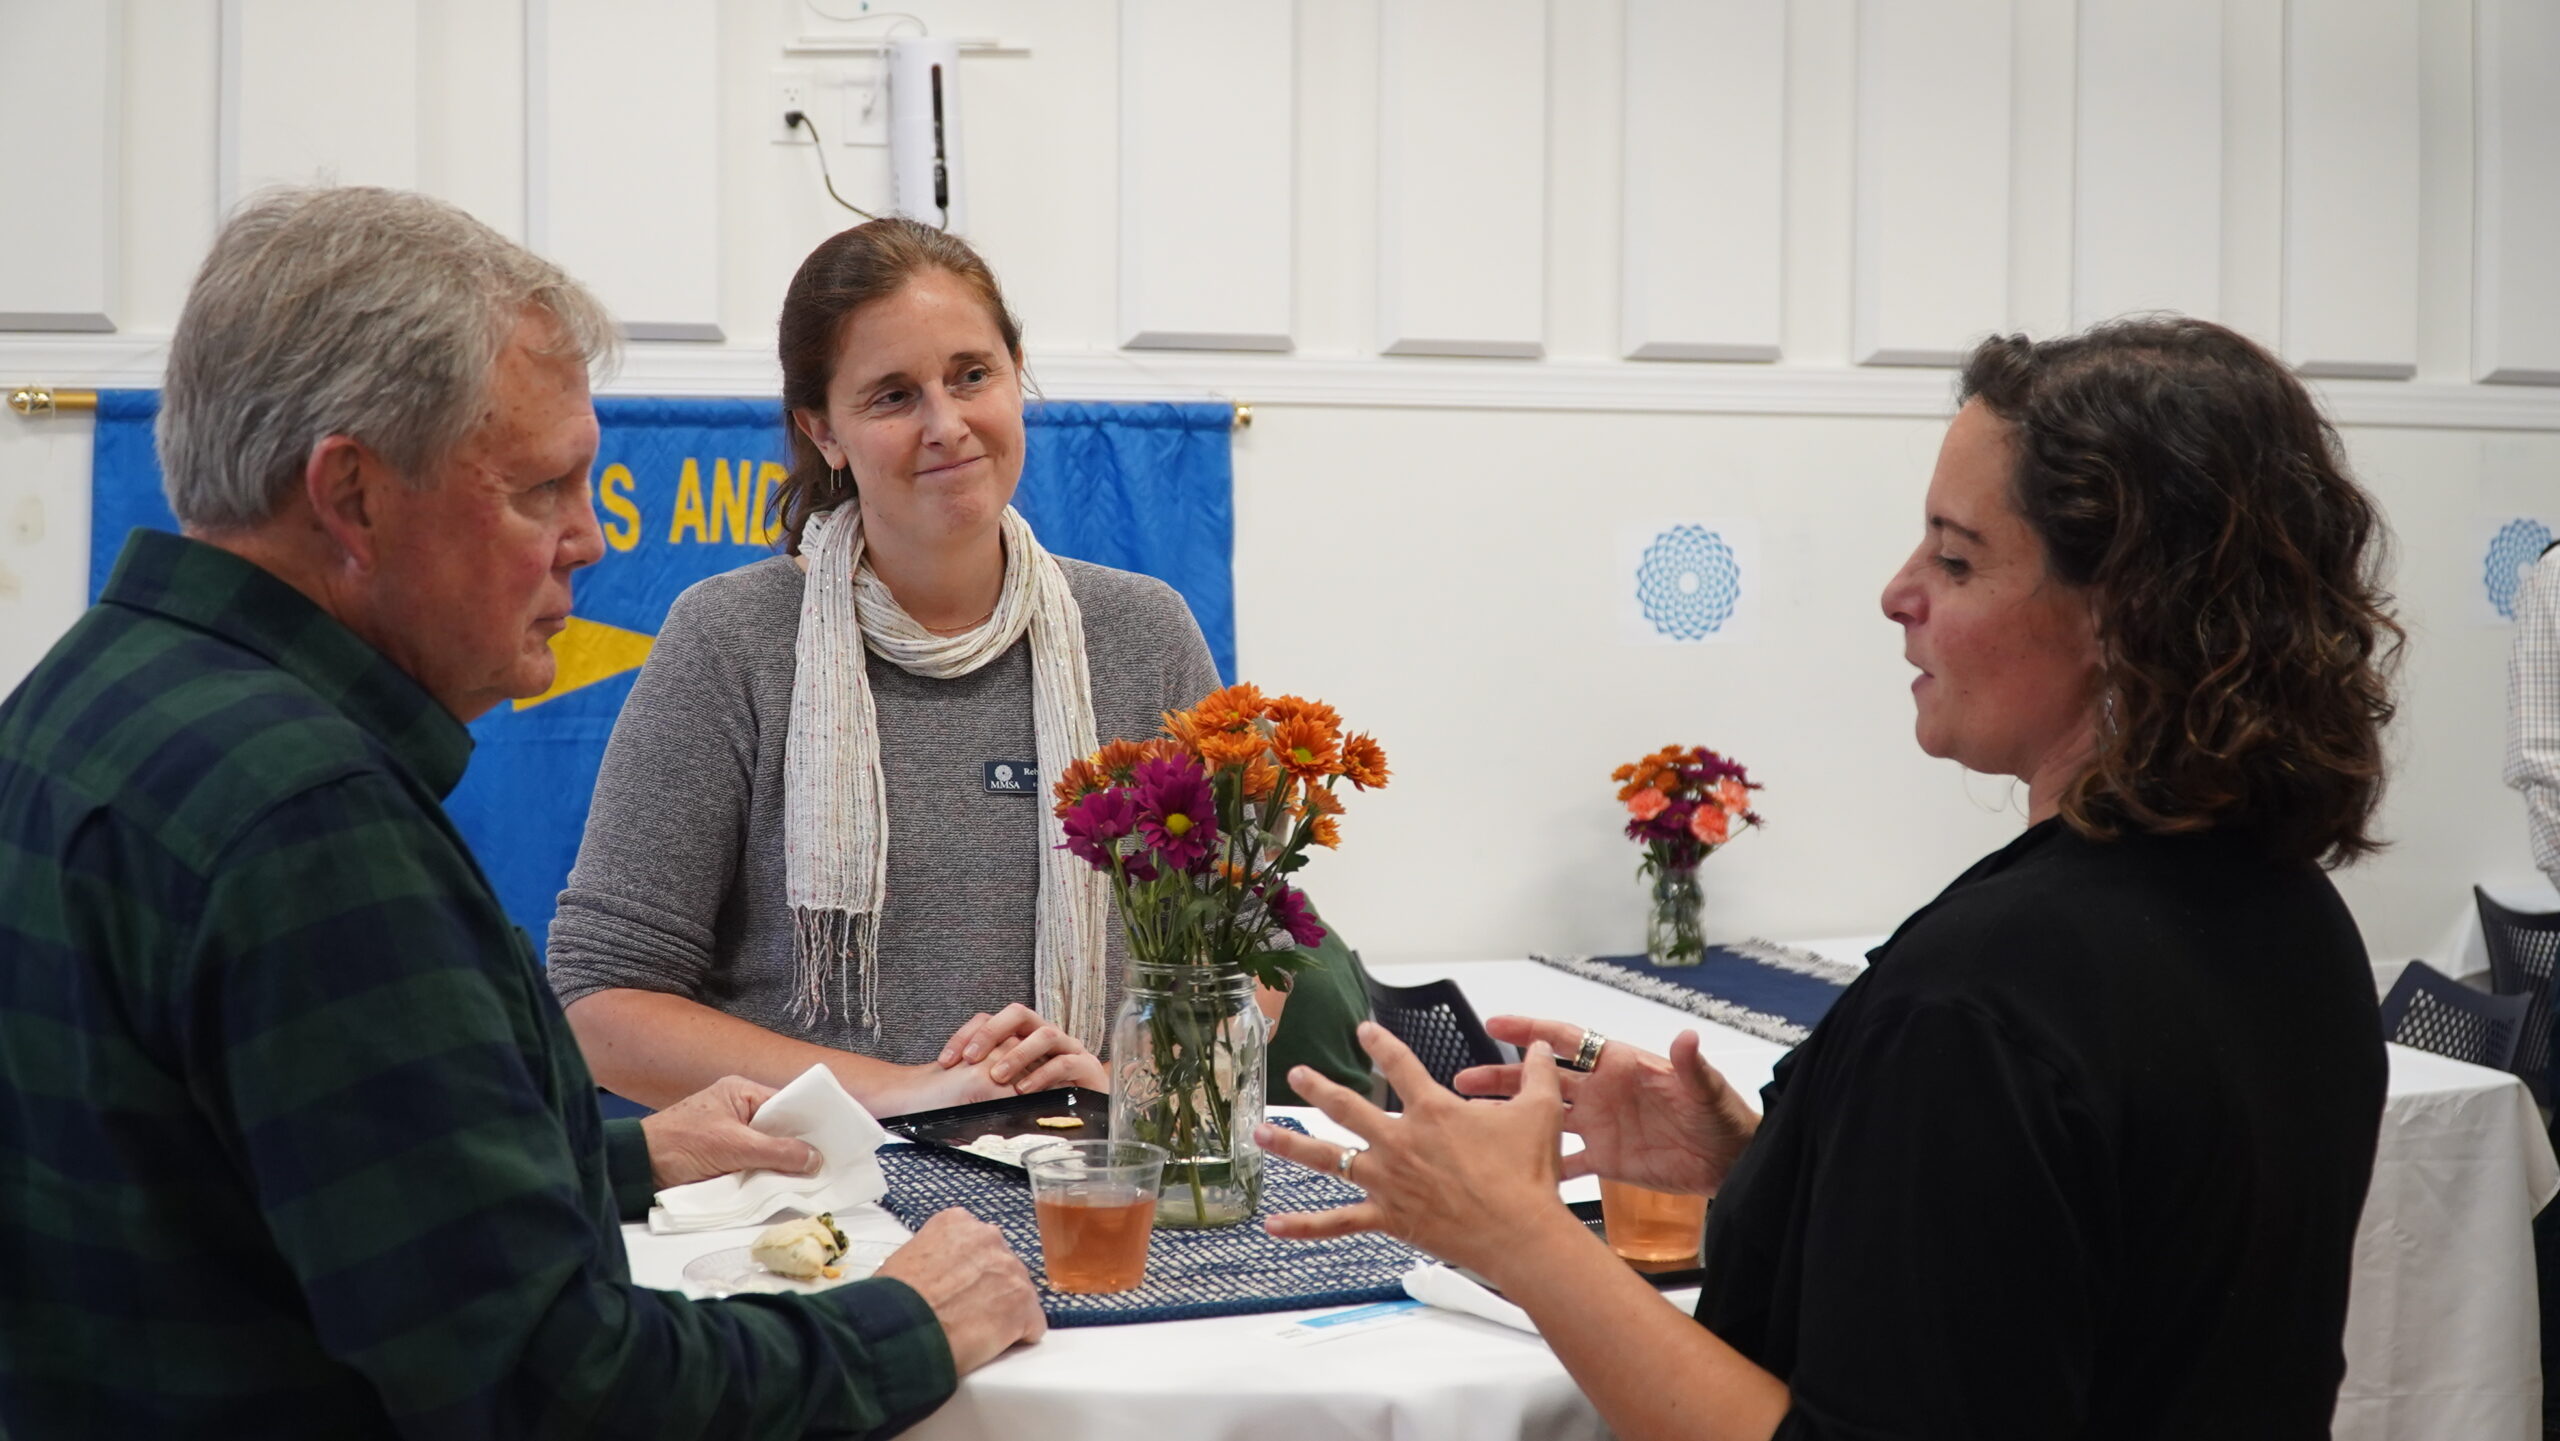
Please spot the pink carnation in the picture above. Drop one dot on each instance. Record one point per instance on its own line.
(1645, 804)
(1708, 824)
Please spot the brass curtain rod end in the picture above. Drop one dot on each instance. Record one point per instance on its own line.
(45, 400)
(1244, 416)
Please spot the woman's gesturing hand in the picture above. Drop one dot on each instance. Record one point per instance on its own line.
(1670, 1123)
(1465, 1182)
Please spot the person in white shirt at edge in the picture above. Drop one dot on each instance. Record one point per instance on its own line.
(2533, 771)
(2533, 709)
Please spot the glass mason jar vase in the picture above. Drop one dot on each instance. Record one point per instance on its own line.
(1675, 932)
(1187, 1068)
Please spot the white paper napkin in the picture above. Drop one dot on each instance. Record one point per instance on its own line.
(816, 1109)
(1437, 1285)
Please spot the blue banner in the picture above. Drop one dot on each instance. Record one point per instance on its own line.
(682, 489)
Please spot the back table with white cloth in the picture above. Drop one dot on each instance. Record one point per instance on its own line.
(2441, 1324)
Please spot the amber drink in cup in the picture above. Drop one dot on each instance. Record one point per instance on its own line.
(1648, 1225)
(1096, 1203)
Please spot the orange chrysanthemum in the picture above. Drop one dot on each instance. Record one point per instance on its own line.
(1306, 747)
(1286, 708)
(1081, 778)
(1326, 832)
(1162, 750)
(1235, 708)
(1364, 762)
(1321, 801)
(1115, 759)
(1261, 777)
(1183, 726)
(1221, 749)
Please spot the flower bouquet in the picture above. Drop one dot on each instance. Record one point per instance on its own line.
(1682, 803)
(1199, 831)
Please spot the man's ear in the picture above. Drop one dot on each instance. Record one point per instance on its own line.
(341, 481)
(813, 424)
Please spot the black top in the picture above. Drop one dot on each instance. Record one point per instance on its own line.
(2081, 1155)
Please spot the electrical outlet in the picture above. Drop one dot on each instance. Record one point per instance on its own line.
(864, 114)
(791, 90)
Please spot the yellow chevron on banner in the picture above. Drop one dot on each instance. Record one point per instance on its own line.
(590, 651)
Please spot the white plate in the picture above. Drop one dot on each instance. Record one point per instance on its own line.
(734, 1272)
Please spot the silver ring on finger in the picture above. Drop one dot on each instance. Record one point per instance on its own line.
(1586, 1057)
(1342, 1163)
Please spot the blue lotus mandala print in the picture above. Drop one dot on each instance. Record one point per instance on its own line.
(2517, 545)
(1688, 582)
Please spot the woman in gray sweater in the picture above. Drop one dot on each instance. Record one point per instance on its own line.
(822, 833)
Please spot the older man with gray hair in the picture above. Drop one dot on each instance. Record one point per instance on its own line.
(294, 1141)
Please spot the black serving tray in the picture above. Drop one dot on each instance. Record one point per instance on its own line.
(1665, 1275)
(952, 1127)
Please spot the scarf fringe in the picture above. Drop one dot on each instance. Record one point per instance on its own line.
(825, 945)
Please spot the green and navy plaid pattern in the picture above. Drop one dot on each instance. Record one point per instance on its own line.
(294, 1140)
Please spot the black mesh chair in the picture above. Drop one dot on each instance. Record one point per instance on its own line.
(1435, 1020)
(2522, 945)
(2434, 1012)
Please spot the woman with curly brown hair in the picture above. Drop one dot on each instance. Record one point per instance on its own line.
(2083, 1152)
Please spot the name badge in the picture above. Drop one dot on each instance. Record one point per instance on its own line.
(1013, 778)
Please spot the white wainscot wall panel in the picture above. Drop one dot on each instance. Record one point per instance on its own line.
(1462, 144)
(2351, 187)
(60, 164)
(622, 78)
(1207, 100)
(1705, 165)
(2147, 176)
(2515, 327)
(317, 91)
(1932, 178)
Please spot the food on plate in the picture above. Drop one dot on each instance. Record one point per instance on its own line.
(806, 1249)
(1060, 1123)
(1008, 1149)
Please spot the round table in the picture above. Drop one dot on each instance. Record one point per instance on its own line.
(1435, 1377)
(2440, 1333)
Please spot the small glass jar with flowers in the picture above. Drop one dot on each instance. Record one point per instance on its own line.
(1683, 802)
(1199, 831)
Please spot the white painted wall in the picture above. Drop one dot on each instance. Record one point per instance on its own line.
(1467, 510)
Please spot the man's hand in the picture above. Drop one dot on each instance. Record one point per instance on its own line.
(978, 1290)
(706, 1134)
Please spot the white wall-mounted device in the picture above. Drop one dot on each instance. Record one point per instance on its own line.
(924, 131)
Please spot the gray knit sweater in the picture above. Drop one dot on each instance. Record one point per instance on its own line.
(679, 881)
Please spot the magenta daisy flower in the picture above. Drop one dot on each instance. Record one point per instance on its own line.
(1290, 912)
(1094, 822)
(1177, 813)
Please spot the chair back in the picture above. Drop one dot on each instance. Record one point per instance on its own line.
(2434, 1012)
(2522, 946)
(1435, 1020)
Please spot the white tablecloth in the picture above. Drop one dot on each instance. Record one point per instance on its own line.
(2441, 1329)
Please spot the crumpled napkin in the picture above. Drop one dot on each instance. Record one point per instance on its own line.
(814, 1108)
(1437, 1285)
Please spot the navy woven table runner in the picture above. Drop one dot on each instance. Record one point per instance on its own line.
(1231, 1271)
(1774, 992)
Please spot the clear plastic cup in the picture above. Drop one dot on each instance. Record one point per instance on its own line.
(1096, 1203)
(1646, 1225)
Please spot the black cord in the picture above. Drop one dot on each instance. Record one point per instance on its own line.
(795, 119)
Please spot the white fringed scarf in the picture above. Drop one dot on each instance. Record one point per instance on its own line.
(835, 820)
